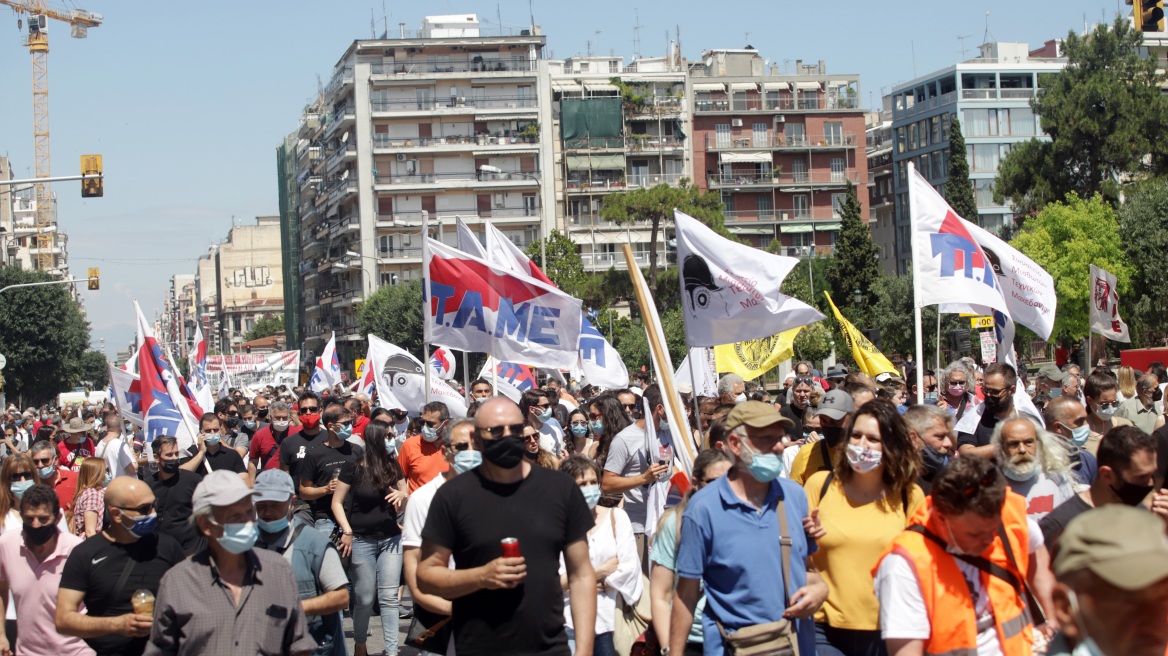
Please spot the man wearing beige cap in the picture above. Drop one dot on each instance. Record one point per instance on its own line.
(229, 599)
(730, 541)
(77, 445)
(1111, 598)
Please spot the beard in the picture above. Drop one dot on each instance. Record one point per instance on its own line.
(1022, 464)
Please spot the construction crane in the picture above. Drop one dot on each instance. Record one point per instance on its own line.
(38, 13)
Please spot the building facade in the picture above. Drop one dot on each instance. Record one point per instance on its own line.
(881, 196)
(990, 94)
(18, 240)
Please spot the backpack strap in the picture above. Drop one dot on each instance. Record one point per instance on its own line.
(826, 484)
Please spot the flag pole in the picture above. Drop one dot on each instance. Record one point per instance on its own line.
(693, 377)
(912, 169)
(465, 379)
(657, 350)
(937, 368)
(425, 307)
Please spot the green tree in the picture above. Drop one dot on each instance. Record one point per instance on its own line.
(563, 264)
(265, 327)
(1106, 117)
(958, 188)
(93, 370)
(1144, 233)
(854, 264)
(656, 204)
(1064, 239)
(394, 313)
(42, 334)
(814, 343)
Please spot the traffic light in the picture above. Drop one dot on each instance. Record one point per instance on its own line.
(91, 165)
(1149, 15)
(94, 278)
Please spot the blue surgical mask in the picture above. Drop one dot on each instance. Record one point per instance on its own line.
(579, 431)
(212, 440)
(345, 431)
(276, 526)
(20, 487)
(1087, 647)
(19, 422)
(238, 538)
(429, 434)
(597, 427)
(250, 425)
(47, 471)
(545, 415)
(764, 467)
(465, 461)
(591, 495)
(391, 446)
(1054, 392)
(144, 525)
(1080, 435)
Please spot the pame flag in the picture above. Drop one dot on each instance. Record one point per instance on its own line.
(443, 364)
(164, 410)
(1105, 318)
(328, 368)
(510, 379)
(949, 266)
(600, 364)
(126, 396)
(473, 305)
(401, 381)
(197, 371)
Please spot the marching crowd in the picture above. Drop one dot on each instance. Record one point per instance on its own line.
(832, 517)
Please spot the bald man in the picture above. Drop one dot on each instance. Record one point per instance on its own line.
(506, 497)
(105, 570)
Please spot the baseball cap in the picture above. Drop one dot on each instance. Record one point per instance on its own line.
(755, 414)
(274, 485)
(219, 488)
(1124, 546)
(1051, 372)
(836, 371)
(888, 378)
(836, 404)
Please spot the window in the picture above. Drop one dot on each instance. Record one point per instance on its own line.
(614, 67)
(801, 240)
(981, 123)
(938, 165)
(423, 97)
(924, 133)
(523, 93)
(722, 135)
(983, 191)
(799, 171)
(983, 157)
(833, 133)
(923, 165)
(795, 134)
(765, 209)
(935, 125)
(760, 135)
(799, 206)
(583, 67)
(728, 201)
(945, 127)
(837, 205)
(900, 140)
(1022, 122)
(912, 136)
(838, 173)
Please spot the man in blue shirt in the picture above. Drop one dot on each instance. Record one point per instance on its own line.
(730, 541)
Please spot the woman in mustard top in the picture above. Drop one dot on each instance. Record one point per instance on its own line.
(863, 503)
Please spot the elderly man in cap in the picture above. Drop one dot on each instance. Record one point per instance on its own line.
(833, 412)
(229, 599)
(1048, 384)
(722, 547)
(320, 576)
(1111, 595)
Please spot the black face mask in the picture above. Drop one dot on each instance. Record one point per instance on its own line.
(833, 434)
(262, 414)
(169, 466)
(530, 456)
(506, 452)
(994, 405)
(233, 421)
(1132, 494)
(933, 462)
(36, 536)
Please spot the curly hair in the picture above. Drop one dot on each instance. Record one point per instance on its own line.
(900, 458)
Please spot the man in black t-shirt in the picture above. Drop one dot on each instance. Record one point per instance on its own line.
(509, 605)
(1000, 384)
(323, 465)
(104, 571)
(173, 489)
(215, 453)
(294, 449)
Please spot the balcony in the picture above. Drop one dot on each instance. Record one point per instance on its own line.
(748, 141)
(347, 152)
(817, 178)
(457, 180)
(742, 180)
(470, 64)
(341, 79)
(341, 189)
(339, 119)
(454, 105)
(655, 105)
(608, 260)
(454, 142)
(999, 94)
(413, 218)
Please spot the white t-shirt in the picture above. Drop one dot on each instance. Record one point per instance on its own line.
(117, 456)
(417, 508)
(1043, 493)
(902, 608)
(551, 437)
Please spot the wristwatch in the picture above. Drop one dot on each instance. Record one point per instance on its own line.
(665, 651)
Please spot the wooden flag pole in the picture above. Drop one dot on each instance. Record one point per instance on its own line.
(657, 349)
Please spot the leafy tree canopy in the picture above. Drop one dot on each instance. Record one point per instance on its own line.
(394, 313)
(93, 370)
(42, 334)
(265, 327)
(958, 188)
(563, 264)
(855, 263)
(1144, 232)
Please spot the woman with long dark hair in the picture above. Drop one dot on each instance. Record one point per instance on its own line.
(863, 503)
(606, 418)
(370, 533)
(576, 425)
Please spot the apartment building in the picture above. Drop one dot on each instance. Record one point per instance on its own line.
(18, 239)
(179, 314)
(415, 131)
(780, 146)
(881, 197)
(605, 144)
(991, 95)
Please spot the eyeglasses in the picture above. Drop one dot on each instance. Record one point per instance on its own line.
(233, 413)
(993, 392)
(805, 381)
(1107, 406)
(532, 437)
(989, 479)
(630, 406)
(595, 415)
(544, 405)
(42, 462)
(144, 509)
(305, 411)
(432, 424)
(461, 446)
(707, 481)
(496, 432)
(20, 476)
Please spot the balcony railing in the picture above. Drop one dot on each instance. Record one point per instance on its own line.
(809, 101)
(742, 179)
(471, 64)
(748, 140)
(817, 178)
(615, 259)
(654, 104)
(633, 143)
(481, 176)
(385, 141)
(459, 102)
(489, 213)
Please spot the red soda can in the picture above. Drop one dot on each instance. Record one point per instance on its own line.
(510, 548)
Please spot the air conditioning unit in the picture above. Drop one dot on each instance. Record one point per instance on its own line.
(806, 250)
(401, 157)
(736, 122)
(780, 119)
(407, 241)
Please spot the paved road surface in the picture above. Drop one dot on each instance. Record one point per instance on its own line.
(375, 643)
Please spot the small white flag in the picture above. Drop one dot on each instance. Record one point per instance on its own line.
(1105, 318)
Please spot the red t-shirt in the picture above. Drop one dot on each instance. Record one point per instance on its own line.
(265, 448)
(359, 425)
(72, 455)
(65, 488)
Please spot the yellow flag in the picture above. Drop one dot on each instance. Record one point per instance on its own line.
(753, 358)
(867, 357)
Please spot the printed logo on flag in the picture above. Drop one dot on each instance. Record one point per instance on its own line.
(518, 375)
(960, 255)
(755, 352)
(397, 368)
(461, 291)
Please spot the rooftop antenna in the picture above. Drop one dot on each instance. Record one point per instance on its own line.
(963, 48)
(912, 44)
(588, 48)
(598, 33)
(372, 25)
(637, 34)
(499, 18)
(986, 38)
(531, 16)
(746, 40)
(384, 21)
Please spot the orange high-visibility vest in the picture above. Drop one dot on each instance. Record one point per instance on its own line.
(952, 618)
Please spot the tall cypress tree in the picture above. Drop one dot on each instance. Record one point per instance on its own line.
(855, 262)
(958, 188)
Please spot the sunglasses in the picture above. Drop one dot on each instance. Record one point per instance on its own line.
(144, 509)
(305, 411)
(432, 424)
(804, 381)
(20, 476)
(496, 432)
(595, 415)
(42, 462)
(631, 406)
(460, 447)
(530, 438)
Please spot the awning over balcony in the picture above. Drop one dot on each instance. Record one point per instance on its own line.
(709, 86)
(743, 86)
(596, 162)
(835, 84)
(567, 86)
(750, 231)
(807, 86)
(776, 86)
(746, 158)
(830, 225)
(599, 86)
(794, 228)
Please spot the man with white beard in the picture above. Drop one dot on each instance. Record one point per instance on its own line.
(1034, 463)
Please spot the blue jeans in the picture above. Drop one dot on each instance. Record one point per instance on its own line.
(830, 641)
(602, 644)
(376, 567)
(325, 526)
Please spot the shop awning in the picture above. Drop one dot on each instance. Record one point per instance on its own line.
(507, 117)
(835, 84)
(807, 86)
(709, 86)
(754, 158)
(743, 86)
(794, 228)
(567, 86)
(595, 162)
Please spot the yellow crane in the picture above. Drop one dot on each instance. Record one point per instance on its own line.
(38, 12)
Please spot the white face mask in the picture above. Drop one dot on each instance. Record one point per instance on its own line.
(863, 459)
(741, 398)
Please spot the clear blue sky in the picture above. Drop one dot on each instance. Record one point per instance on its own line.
(188, 101)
